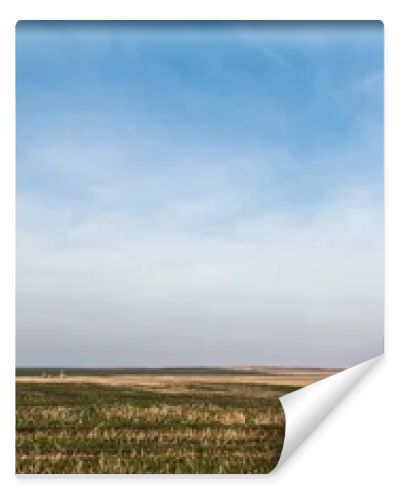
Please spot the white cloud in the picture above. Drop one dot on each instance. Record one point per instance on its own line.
(274, 288)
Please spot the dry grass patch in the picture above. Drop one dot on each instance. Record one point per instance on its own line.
(149, 424)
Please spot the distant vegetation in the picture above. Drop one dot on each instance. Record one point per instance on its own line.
(131, 371)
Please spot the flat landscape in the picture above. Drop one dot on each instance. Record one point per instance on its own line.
(182, 420)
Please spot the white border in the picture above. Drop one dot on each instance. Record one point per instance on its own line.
(354, 453)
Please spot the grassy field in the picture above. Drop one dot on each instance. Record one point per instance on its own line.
(149, 423)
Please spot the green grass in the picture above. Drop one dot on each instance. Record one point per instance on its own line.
(200, 428)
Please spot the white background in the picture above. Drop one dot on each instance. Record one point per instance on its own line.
(355, 453)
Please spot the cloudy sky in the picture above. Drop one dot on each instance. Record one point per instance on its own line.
(199, 194)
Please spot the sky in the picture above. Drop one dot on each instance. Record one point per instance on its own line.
(203, 193)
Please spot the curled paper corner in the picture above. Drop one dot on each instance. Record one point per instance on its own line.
(308, 407)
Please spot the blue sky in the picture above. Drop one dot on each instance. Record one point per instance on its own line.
(185, 172)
